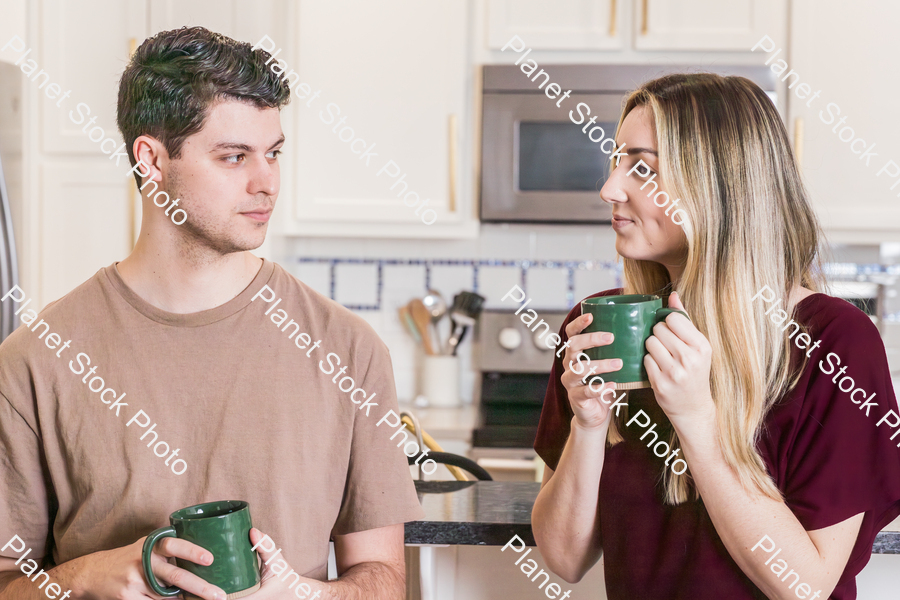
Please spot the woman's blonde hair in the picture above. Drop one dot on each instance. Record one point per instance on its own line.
(724, 152)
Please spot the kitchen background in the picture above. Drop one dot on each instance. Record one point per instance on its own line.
(408, 76)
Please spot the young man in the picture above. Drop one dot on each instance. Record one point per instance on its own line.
(176, 377)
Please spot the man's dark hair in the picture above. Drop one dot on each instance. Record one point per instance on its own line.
(175, 76)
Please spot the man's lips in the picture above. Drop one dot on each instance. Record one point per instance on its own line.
(261, 215)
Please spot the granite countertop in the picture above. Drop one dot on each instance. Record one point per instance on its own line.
(489, 513)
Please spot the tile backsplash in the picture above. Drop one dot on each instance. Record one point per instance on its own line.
(376, 287)
(555, 265)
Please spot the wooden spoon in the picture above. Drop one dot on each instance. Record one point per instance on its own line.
(422, 319)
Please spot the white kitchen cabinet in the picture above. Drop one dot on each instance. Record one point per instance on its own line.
(393, 79)
(84, 52)
(705, 24)
(75, 216)
(854, 202)
(238, 19)
(559, 25)
(656, 25)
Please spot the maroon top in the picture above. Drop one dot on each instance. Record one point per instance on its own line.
(826, 456)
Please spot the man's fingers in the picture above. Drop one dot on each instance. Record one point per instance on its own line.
(263, 544)
(177, 548)
(187, 581)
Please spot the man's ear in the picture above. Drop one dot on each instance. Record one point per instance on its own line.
(151, 152)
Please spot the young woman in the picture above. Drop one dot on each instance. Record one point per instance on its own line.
(781, 463)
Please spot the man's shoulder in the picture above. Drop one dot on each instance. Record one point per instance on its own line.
(64, 311)
(337, 320)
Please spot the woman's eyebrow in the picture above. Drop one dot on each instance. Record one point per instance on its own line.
(639, 150)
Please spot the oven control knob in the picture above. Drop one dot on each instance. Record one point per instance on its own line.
(540, 341)
(510, 338)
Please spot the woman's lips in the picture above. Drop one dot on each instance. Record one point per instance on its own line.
(618, 222)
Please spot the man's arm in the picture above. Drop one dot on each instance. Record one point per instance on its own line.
(370, 565)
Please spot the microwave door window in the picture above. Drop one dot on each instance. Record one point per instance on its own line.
(557, 156)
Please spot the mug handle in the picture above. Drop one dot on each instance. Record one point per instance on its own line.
(662, 313)
(149, 543)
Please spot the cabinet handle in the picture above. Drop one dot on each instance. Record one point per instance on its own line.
(645, 9)
(612, 18)
(452, 148)
(798, 141)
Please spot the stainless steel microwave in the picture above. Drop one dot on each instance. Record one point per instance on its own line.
(538, 163)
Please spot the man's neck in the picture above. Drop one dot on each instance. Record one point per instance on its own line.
(176, 284)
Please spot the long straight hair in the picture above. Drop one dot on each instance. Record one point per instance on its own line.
(724, 152)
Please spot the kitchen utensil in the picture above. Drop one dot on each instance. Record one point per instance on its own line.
(437, 308)
(630, 318)
(407, 321)
(222, 528)
(422, 319)
(466, 308)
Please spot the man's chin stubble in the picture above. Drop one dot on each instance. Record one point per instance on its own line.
(199, 244)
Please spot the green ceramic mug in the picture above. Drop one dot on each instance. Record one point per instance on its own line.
(630, 319)
(221, 527)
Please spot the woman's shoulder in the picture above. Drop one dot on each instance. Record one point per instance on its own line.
(835, 320)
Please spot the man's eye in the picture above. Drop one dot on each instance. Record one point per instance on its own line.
(273, 153)
(235, 159)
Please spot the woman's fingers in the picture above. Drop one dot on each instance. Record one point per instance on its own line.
(589, 371)
(583, 341)
(659, 354)
(576, 325)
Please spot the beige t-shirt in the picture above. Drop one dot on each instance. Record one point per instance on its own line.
(253, 416)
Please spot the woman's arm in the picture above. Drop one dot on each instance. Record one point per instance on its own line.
(566, 516)
(743, 517)
(678, 364)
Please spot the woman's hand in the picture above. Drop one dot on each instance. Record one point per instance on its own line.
(678, 364)
(589, 399)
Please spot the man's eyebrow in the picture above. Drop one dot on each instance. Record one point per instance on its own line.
(241, 146)
(630, 151)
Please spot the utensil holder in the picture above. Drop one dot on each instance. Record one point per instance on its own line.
(439, 380)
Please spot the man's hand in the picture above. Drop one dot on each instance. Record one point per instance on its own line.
(278, 586)
(118, 575)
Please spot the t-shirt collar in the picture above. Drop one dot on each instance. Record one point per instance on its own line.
(197, 319)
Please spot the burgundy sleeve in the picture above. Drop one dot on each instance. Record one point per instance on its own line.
(840, 462)
(556, 415)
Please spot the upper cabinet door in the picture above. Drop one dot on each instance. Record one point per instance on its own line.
(87, 73)
(845, 103)
(238, 19)
(705, 24)
(557, 25)
(380, 113)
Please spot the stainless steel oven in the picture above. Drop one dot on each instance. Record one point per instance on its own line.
(543, 158)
